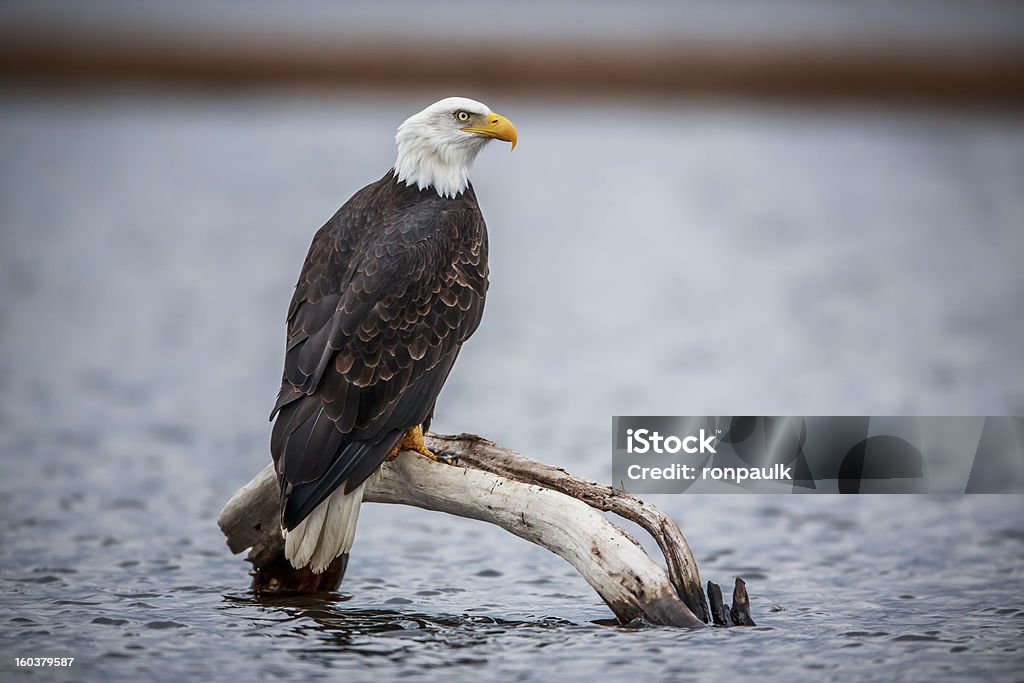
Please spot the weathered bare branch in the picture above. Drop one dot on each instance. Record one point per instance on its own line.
(483, 454)
(537, 502)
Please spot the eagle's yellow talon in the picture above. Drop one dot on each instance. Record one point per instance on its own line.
(426, 453)
(412, 440)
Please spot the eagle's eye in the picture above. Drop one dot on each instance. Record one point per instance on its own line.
(462, 116)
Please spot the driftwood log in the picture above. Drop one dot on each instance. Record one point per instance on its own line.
(537, 502)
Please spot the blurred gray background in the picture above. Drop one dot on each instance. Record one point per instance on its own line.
(774, 208)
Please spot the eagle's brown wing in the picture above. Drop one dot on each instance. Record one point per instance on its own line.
(384, 302)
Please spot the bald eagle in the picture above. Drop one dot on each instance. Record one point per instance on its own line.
(393, 285)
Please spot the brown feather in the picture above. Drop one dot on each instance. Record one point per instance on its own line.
(392, 286)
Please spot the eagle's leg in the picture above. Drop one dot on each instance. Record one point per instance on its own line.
(412, 440)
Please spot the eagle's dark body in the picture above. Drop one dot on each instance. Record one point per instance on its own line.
(392, 286)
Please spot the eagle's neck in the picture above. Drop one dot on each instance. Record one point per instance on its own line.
(425, 163)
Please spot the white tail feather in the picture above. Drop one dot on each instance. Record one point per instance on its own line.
(307, 538)
(326, 533)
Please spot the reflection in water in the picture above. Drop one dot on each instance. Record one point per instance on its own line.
(326, 621)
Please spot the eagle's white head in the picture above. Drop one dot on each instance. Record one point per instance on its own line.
(437, 147)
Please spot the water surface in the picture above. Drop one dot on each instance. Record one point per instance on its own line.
(669, 258)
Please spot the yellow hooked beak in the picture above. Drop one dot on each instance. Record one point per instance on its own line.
(497, 127)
